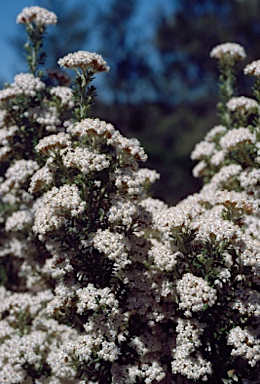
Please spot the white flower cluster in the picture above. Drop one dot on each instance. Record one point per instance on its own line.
(195, 294)
(237, 201)
(243, 104)
(91, 298)
(249, 180)
(39, 16)
(123, 213)
(38, 338)
(211, 227)
(228, 160)
(95, 132)
(64, 94)
(85, 160)
(3, 116)
(27, 84)
(127, 148)
(129, 373)
(7, 133)
(226, 176)
(4, 152)
(132, 182)
(48, 117)
(24, 84)
(179, 217)
(92, 130)
(186, 344)
(223, 277)
(215, 133)
(113, 245)
(43, 177)
(6, 94)
(52, 143)
(202, 150)
(247, 302)
(237, 137)
(245, 344)
(58, 205)
(163, 255)
(84, 60)
(217, 163)
(251, 257)
(18, 174)
(253, 68)
(19, 221)
(228, 50)
(64, 296)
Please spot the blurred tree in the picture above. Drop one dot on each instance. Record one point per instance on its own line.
(185, 41)
(130, 73)
(171, 64)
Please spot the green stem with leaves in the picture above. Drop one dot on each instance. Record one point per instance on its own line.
(35, 55)
(227, 88)
(83, 93)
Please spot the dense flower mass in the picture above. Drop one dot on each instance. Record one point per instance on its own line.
(52, 143)
(64, 94)
(195, 367)
(100, 282)
(39, 16)
(58, 205)
(194, 294)
(84, 60)
(24, 84)
(236, 137)
(245, 344)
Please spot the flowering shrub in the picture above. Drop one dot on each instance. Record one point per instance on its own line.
(100, 283)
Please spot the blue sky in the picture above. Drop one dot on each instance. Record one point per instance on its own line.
(9, 9)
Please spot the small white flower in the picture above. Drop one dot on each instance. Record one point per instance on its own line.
(236, 137)
(242, 103)
(39, 16)
(253, 68)
(84, 60)
(228, 50)
(195, 293)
